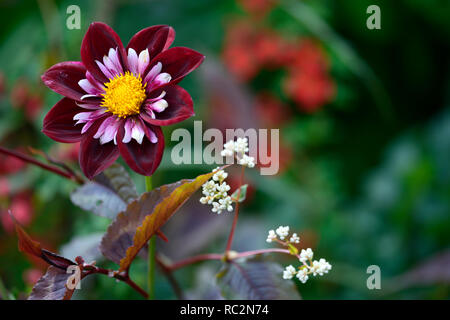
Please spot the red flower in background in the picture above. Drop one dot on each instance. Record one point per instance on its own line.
(32, 275)
(22, 208)
(306, 55)
(258, 8)
(4, 187)
(269, 49)
(271, 110)
(23, 98)
(19, 93)
(308, 82)
(238, 54)
(10, 165)
(309, 91)
(33, 107)
(117, 98)
(248, 49)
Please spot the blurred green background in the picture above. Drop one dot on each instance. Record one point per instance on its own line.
(364, 119)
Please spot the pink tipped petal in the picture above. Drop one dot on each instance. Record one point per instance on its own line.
(156, 39)
(87, 126)
(161, 79)
(150, 100)
(59, 124)
(95, 157)
(97, 42)
(180, 107)
(106, 72)
(94, 82)
(137, 132)
(82, 117)
(101, 129)
(143, 158)
(178, 62)
(114, 57)
(93, 116)
(148, 113)
(156, 69)
(110, 133)
(63, 78)
(143, 61)
(151, 135)
(88, 106)
(129, 123)
(97, 114)
(159, 106)
(132, 61)
(107, 131)
(111, 66)
(87, 86)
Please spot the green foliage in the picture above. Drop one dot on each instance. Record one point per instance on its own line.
(367, 180)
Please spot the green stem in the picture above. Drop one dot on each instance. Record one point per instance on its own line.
(151, 252)
(148, 184)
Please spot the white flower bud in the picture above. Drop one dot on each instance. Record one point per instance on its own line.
(306, 255)
(289, 272)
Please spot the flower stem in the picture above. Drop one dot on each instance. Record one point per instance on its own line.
(236, 214)
(28, 159)
(125, 278)
(151, 252)
(171, 278)
(218, 256)
(148, 184)
(195, 259)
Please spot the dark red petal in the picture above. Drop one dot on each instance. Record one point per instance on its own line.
(143, 158)
(59, 124)
(63, 78)
(95, 157)
(96, 43)
(180, 106)
(178, 62)
(156, 39)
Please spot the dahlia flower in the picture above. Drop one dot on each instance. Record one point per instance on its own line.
(116, 99)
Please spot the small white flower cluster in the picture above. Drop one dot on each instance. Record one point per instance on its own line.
(238, 148)
(215, 193)
(283, 233)
(294, 238)
(308, 268)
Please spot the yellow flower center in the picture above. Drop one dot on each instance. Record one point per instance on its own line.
(124, 95)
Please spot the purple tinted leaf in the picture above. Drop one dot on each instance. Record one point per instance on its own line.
(203, 288)
(86, 246)
(108, 195)
(192, 231)
(120, 234)
(118, 179)
(52, 286)
(255, 279)
(143, 218)
(433, 271)
(98, 199)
